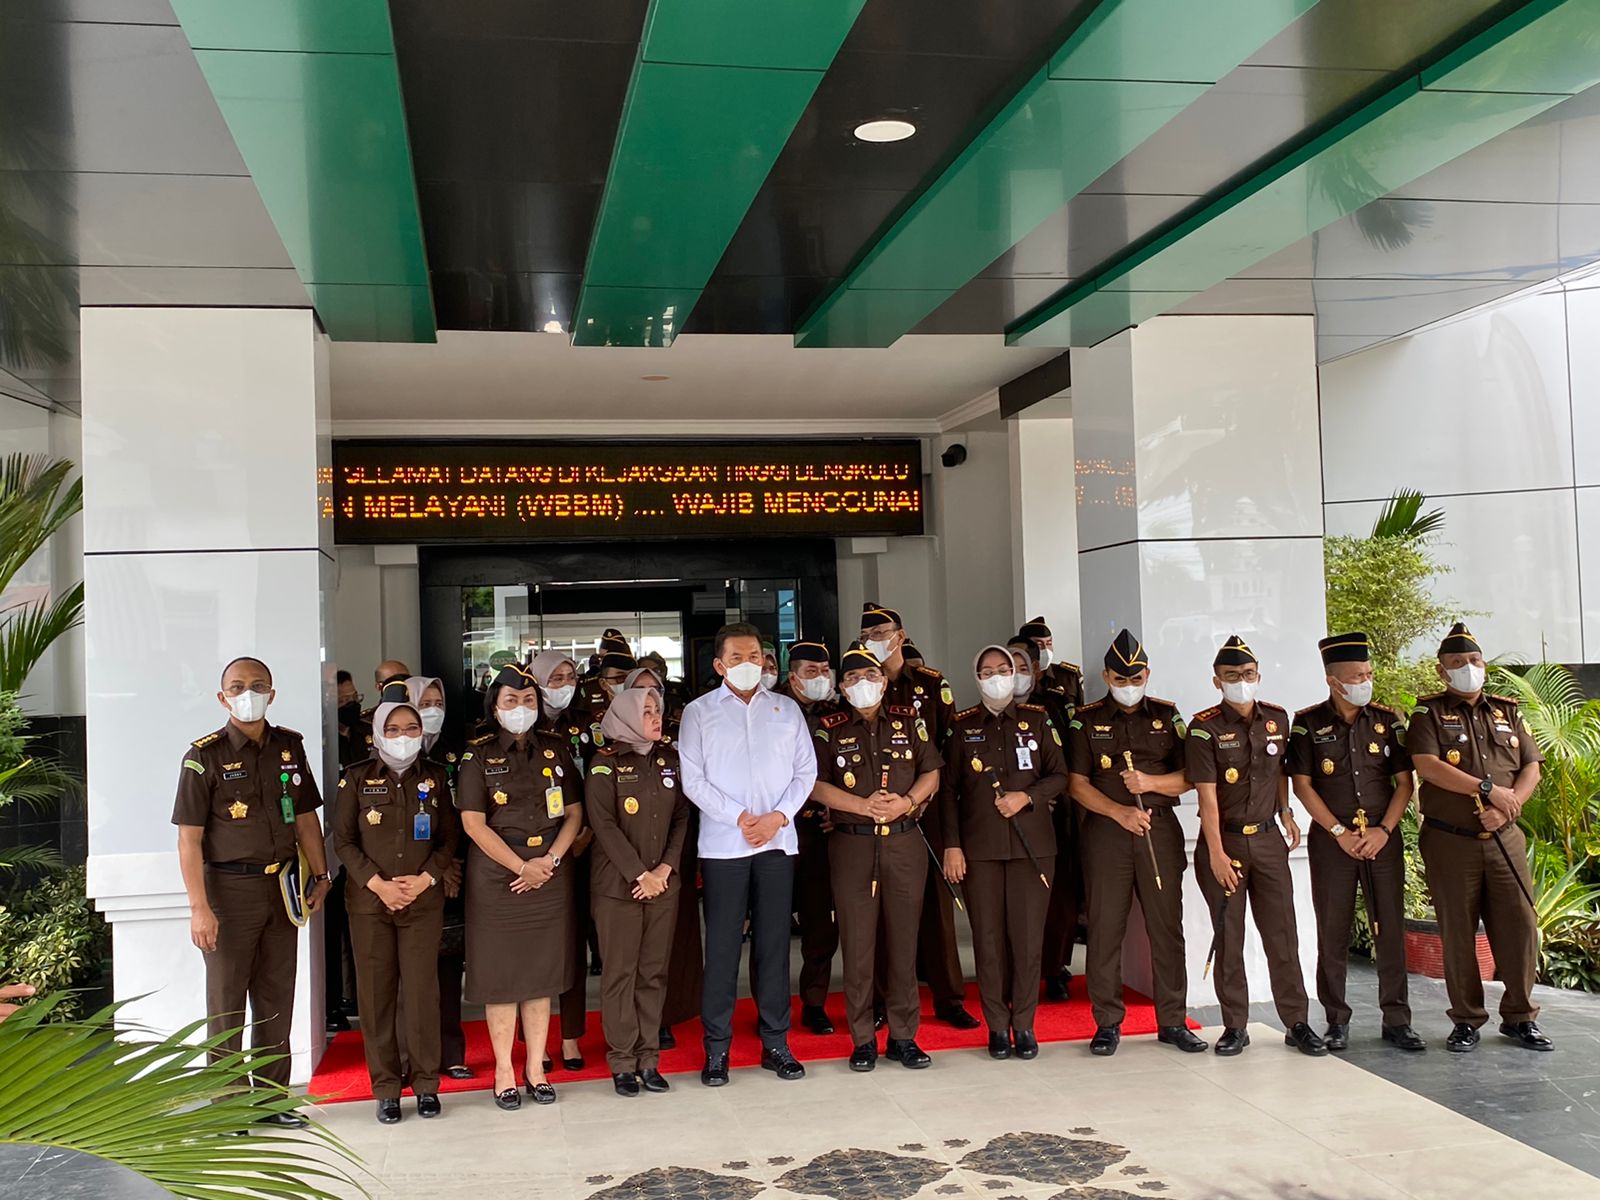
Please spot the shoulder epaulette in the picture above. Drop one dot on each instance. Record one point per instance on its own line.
(1152, 700)
(1274, 707)
(966, 712)
(607, 751)
(833, 720)
(200, 743)
(1431, 696)
(1072, 667)
(294, 733)
(1090, 707)
(367, 714)
(1503, 699)
(929, 671)
(1384, 708)
(1300, 712)
(1039, 708)
(1206, 714)
(358, 764)
(482, 739)
(901, 710)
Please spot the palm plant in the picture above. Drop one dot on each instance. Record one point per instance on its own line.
(158, 1108)
(1565, 808)
(1402, 517)
(36, 500)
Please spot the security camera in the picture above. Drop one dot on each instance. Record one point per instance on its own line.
(954, 456)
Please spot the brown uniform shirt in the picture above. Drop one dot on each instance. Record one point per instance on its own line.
(509, 786)
(813, 813)
(572, 725)
(375, 827)
(1353, 765)
(1022, 746)
(237, 791)
(1060, 689)
(853, 753)
(928, 692)
(1487, 737)
(635, 803)
(1244, 758)
(1100, 734)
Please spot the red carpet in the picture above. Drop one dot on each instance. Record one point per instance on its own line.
(342, 1074)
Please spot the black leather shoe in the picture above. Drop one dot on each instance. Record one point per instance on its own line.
(654, 1081)
(715, 1072)
(338, 1022)
(1337, 1037)
(1527, 1034)
(1304, 1039)
(864, 1057)
(908, 1054)
(999, 1045)
(666, 1039)
(1056, 986)
(1463, 1039)
(460, 1072)
(626, 1083)
(510, 1099)
(781, 1063)
(1027, 1044)
(1183, 1038)
(285, 1120)
(1106, 1040)
(389, 1111)
(958, 1018)
(595, 967)
(1405, 1037)
(1233, 1041)
(573, 1064)
(542, 1093)
(815, 1018)
(428, 1106)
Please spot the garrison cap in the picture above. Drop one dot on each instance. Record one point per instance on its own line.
(612, 642)
(615, 661)
(1035, 628)
(512, 675)
(873, 613)
(1345, 647)
(394, 691)
(857, 659)
(808, 652)
(908, 650)
(1234, 653)
(1459, 641)
(1126, 655)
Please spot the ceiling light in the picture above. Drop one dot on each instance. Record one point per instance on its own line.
(885, 131)
(655, 378)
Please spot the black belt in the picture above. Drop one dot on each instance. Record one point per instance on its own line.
(903, 825)
(1248, 828)
(239, 868)
(1482, 835)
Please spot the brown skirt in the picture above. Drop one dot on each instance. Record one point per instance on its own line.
(519, 946)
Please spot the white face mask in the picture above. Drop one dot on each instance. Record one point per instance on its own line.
(769, 680)
(1466, 680)
(1046, 657)
(998, 687)
(557, 699)
(746, 677)
(432, 720)
(1021, 685)
(401, 752)
(1359, 694)
(881, 648)
(248, 707)
(865, 693)
(1241, 692)
(1128, 696)
(517, 721)
(611, 689)
(818, 687)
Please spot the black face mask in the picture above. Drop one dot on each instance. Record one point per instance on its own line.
(350, 714)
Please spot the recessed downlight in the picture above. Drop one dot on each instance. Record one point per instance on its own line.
(887, 130)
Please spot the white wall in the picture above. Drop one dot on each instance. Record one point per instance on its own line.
(1044, 530)
(377, 613)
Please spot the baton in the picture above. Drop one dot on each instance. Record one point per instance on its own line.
(1364, 873)
(938, 868)
(1127, 757)
(994, 779)
(1511, 866)
(1222, 911)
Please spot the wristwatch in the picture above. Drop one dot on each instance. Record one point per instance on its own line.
(555, 861)
(1485, 786)
(1386, 830)
(325, 877)
(1337, 829)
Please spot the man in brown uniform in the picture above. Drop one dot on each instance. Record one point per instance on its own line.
(246, 808)
(595, 691)
(1234, 756)
(1126, 757)
(1351, 770)
(810, 685)
(927, 692)
(1478, 764)
(876, 769)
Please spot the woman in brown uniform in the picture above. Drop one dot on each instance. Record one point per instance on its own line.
(640, 817)
(396, 832)
(1004, 771)
(521, 804)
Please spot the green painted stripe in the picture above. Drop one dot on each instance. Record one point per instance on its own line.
(311, 93)
(1105, 90)
(717, 90)
(1415, 127)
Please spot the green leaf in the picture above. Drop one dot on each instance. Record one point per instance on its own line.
(1402, 517)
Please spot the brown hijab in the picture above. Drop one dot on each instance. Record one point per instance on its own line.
(624, 720)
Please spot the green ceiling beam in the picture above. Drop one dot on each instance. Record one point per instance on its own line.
(1522, 65)
(1121, 75)
(715, 94)
(311, 93)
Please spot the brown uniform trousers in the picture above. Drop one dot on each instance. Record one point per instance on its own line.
(1467, 874)
(1006, 902)
(640, 817)
(397, 953)
(572, 725)
(1352, 767)
(1245, 759)
(813, 886)
(1117, 864)
(1060, 690)
(236, 790)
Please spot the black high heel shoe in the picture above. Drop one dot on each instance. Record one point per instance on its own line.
(542, 1093)
(510, 1100)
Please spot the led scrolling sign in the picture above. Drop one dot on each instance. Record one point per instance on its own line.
(416, 491)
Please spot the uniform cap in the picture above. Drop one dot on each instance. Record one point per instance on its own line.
(616, 661)
(873, 613)
(394, 691)
(1126, 655)
(512, 675)
(612, 642)
(1035, 628)
(1345, 647)
(1234, 653)
(857, 659)
(1459, 641)
(909, 650)
(808, 652)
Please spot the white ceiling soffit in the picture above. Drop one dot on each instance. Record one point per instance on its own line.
(530, 384)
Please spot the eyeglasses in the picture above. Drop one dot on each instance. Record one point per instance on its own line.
(236, 688)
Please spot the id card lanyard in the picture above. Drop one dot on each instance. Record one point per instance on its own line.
(422, 822)
(285, 803)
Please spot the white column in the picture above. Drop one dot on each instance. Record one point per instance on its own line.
(1044, 536)
(1199, 515)
(204, 440)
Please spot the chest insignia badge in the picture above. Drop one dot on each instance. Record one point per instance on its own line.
(1379, 727)
(238, 810)
(1452, 757)
(1327, 766)
(374, 817)
(630, 806)
(1231, 775)
(501, 798)
(287, 757)
(1272, 727)
(1105, 762)
(1372, 747)
(849, 779)
(977, 764)
(1158, 723)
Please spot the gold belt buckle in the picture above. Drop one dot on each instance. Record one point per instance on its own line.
(1250, 830)
(1485, 836)
(272, 868)
(536, 841)
(883, 831)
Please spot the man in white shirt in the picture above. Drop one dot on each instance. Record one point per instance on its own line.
(748, 766)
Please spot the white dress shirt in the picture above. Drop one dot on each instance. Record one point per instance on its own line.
(740, 758)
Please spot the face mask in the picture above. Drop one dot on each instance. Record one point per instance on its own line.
(818, 687)
(1128, 696)
(350, 713)
(865, 693)
(557, 699)
(432, 720)
(401, 752)
(1359, 694)
(1241, 692)
(611, 689)
(745, 677)
(1046, 657)
(881, 648)
(248, 707)
(1467, 679)
(516, 721)
(1021, 685)
(998, 687)
(769, 680)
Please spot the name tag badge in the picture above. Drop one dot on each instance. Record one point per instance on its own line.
(421, 827)
(554, 804)
(1024, 759)
(497, 770)
(230, 776)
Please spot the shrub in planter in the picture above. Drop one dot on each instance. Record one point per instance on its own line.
(51, 937)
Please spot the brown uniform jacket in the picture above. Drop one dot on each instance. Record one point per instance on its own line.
(374, 828)
(1486, 737)
(1245, 759)
(814, 813)
(1060, 689)
(236, 790)
(1353, 765)
(928, 692)
(1100, 734)
(853, 753)
(509, 786)
(981, 740)
(635, 803)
